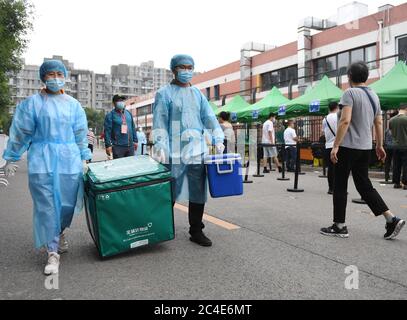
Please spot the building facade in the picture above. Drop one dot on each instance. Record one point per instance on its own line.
(24, 84)
(323, 47)
(91, 89)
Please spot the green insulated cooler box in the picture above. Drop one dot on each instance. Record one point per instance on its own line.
(128, 204)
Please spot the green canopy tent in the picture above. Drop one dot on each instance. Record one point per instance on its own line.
(392, 88)
(213, 106)
(315, 102)
(261, 110)
(233, 107)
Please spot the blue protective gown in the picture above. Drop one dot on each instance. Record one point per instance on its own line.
(53, 128)
(182, 117)
(141, 137)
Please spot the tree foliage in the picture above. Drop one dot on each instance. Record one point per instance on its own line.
(96, 119)
(15, 24)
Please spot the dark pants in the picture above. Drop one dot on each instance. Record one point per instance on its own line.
(357, 162)
(90, 146)
(399, 166)
(331, 168)
(229, 147)
(291, 154)
(388, 163)
(122, 152)
(195, 216)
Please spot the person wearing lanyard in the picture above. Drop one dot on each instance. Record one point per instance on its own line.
(120, 132)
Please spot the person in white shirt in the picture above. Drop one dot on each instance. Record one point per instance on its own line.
(269, 137)
(227, 127)
(91, 139)
(290, 139)
(330, 125)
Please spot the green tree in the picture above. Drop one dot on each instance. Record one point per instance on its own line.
(15, 23)
(96, 119)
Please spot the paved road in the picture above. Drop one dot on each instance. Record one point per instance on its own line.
(275, 253)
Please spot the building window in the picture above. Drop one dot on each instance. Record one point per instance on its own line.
(325, 66)
(371, 56)
(217, 92)
(208, 93)
(338, 64)
(343, 63)
(279, 78)
(144, 111)
(319, 68)
(357, 55)
(402, 48)
(331, 66)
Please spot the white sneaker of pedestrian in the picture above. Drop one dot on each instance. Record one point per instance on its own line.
(63, 244)
(52, 266)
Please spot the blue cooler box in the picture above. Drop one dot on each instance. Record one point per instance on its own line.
(225, 175)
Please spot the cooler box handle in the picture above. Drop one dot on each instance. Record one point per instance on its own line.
(226, 171)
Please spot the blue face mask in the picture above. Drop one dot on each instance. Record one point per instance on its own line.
(185, 76)
(55, 84)
(120, 105)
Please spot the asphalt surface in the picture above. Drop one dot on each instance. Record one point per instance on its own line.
(276, 253)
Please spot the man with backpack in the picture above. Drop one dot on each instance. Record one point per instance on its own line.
(120, 132)
(360, 112)
(330, 125)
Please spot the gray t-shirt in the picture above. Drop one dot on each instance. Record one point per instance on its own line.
(359, 135)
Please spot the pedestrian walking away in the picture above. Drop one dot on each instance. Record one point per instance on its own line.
(360, 112)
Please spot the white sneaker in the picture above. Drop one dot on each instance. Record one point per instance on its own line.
(63, 244)
(52, 266)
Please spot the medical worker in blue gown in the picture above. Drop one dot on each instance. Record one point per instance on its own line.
(142, 141)
(182, 118)
(53, 127)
